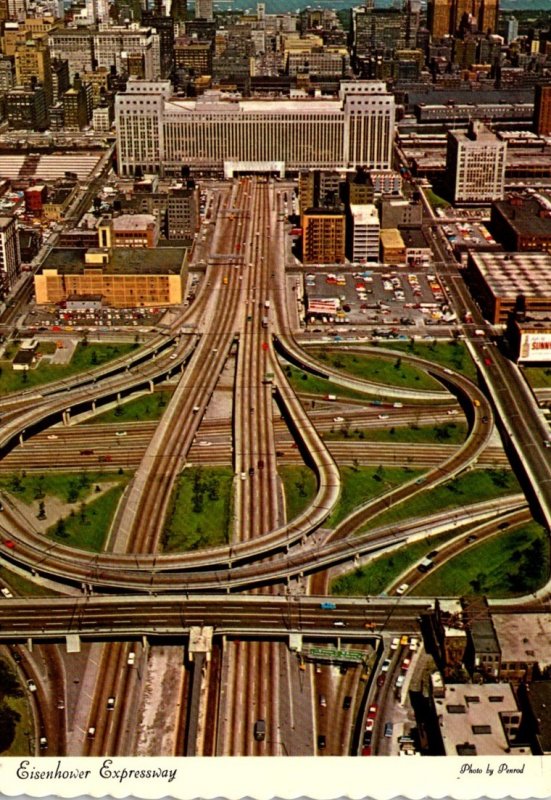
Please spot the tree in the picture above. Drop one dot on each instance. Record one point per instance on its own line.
(398, 363)
(60, 529)
(42, 510)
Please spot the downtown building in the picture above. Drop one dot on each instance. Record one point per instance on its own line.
(156, 132)
(475, 162)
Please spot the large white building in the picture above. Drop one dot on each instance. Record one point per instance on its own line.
(159, 133)
(475, 163)
(113, 44)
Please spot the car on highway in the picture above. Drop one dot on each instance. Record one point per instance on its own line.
(470, 539)
(173, 356)
(52, 436)
(327, 605)
(339, 624)
(322, 742)
(400, 681)
(404, 639)
(243, 476)
(452, 412)
(347, 702)
(87, 452)
(204, 443)
(260, 730)
(31, 686)
(6, 592)
(381, 679)
(368, 735)
(385, 666)
(323, 701)
(366, 751)
(388, 729)
(488, 361)
(131, 660)
(120, 433)
(43, 743)
(251, 471)
(9, 544)
(413, 643)
(383, 416)
(372, 711)
(402, 588)
(405, 664)
(110, 703)
(369, 724)
(338, 419)
(91, 731)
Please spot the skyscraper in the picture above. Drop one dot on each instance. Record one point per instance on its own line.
(447, 17)
(10, 258)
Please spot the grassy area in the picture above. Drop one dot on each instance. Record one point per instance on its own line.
(146, 407)
(360, 484)
(453, 355)
(84, 358)
(304, 382)
(435, 200)
(87, 527)
(24, 586)
(470, 487)
(300, 486)
(379, 369)
(538, 377)
(446, 433)
(374, 577)
(512, 563)
(200, 512)
(24, 731)
(68, 487)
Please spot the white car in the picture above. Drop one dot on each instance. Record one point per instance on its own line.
(395, 642)
(383, 416)
(31, 685)
(402, 588)
(338, 419)
(204, 443)
(6, 592)
(120, 433)
(52, 436)
(131, 659)
(385, 666)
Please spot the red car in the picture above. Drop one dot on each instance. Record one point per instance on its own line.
(369, 724)
(366, 751)
(488, 361)
(9, 543)
(381, 679)
(405, 664)
(372, 711)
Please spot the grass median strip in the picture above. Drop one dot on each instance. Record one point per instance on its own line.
(360, 484)
(446, 433)
(509, 564)
(374, 577)
(379, 369)
(200, 510)
(87, 527)
(453, 355)
(85, 357)
(299, 484)
(469, 487)
(140, 409)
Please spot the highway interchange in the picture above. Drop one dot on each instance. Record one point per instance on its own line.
(253, 670)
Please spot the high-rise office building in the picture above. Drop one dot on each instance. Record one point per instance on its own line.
(475, 164)
(164, 26)
(10, 258)
(323, 236)
(542, 109)
(32, 59)
(363, 233)
(448, 17)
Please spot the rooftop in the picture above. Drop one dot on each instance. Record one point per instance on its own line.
(365, 214)
(134, 222)
(525, 637)
(509, 274)
(154, 261)
(470, 721)
(391, 237)
(523, 213)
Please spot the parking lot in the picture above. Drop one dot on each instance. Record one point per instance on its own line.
(375, 296)
(63, 319)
